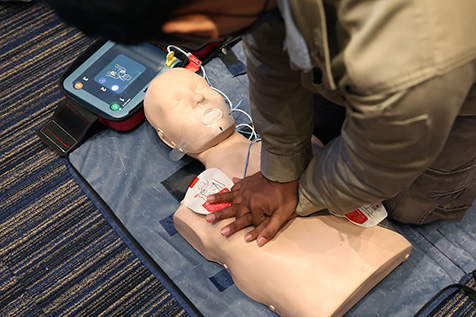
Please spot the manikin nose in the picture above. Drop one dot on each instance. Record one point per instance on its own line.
(207, 116)
(197, 98)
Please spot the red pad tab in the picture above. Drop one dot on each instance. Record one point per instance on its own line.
(195, 180)
(214, 207)
(356, 216)
(193, 63)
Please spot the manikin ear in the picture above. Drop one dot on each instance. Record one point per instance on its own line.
(165, 139)
(176, 153)
(192, 24)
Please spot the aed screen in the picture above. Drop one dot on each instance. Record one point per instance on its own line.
(118, 75)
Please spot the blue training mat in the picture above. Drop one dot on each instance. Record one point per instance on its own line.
(127, 171)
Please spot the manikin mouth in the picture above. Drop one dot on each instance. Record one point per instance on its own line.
(201, 130)
(211, 116)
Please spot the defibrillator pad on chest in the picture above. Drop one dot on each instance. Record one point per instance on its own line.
(210, 181)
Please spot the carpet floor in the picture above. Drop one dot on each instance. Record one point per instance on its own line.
(58, 254)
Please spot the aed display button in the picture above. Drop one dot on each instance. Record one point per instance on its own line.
(115, 107)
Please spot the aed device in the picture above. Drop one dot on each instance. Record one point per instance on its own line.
(106, 85)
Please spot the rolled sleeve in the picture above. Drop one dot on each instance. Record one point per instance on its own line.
(284, 168)
(306, 205)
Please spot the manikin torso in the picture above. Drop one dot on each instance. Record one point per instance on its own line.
(321, 264)
(315, 266)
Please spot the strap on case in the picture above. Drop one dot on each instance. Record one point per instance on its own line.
(67, 128)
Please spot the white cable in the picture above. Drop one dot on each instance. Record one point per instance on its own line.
(252, 133)
(204, 74)
(230, 104)
(245, 113)
(179, 49)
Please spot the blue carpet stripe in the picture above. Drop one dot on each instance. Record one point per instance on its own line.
(58, 254)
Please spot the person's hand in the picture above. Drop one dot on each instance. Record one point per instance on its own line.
(256, 201)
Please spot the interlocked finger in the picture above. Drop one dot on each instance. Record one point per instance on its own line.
(220, 198)
(236, 225)
(231, 196)
(253, 234)
(257, 217)
(224, 213)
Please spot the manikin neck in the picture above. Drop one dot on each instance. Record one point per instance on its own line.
(234, 141)
(230, 156)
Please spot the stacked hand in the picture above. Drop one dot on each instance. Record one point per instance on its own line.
(259, 202)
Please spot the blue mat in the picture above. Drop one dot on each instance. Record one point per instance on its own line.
(127, 171)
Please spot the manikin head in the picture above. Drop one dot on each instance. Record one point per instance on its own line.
(187, 113)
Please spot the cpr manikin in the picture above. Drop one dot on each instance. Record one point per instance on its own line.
(315, 266)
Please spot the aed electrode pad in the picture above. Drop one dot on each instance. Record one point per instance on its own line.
(210, 181)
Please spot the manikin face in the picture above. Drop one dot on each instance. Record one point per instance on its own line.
(186, 112)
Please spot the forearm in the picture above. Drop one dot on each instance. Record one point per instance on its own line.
(280, 106)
